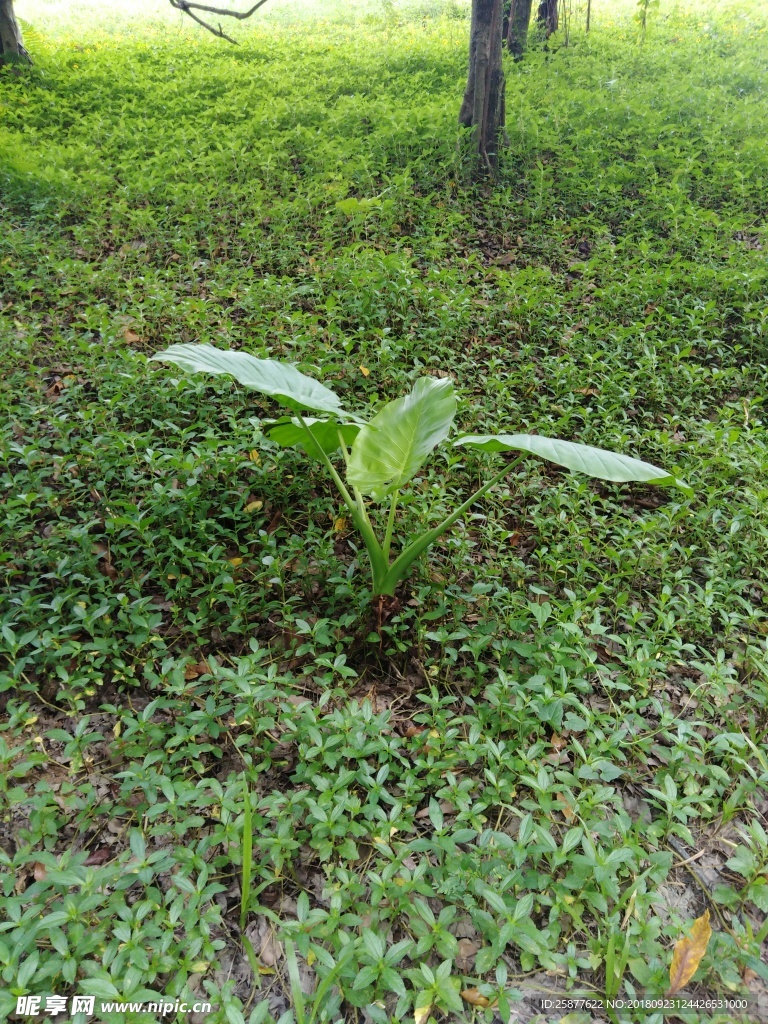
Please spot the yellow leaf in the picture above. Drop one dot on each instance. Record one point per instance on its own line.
(254, 506)
(687, 954)
(254, 456)
(471, 995)
(365, 371)
(117, 728)
(200, 967)
(565, 808)
(421, 1013)
(311, 957)
(266, 970)
(235, 561)
(339, 525)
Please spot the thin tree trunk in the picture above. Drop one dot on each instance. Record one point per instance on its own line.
(547, 16)
(11, 45)
(519, 20)
(483, 108)
(589, 13)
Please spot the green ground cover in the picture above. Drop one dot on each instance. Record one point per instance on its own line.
(499, 782)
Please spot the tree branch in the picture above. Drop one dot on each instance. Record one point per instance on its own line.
(189, 7)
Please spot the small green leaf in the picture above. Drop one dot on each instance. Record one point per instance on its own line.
(524, 907)
(391, 448)
(234, 1014)
(448, 998)
(27, 969)
(281, 381)
(373, 944)
(494, 900)
(392, 981)
(138, 846)
(396, 953)
(758, 893)
(365, 978)
(743, 862)
(101, 987)
(485, 959)
(582, 458)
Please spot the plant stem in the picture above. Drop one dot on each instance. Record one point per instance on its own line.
(245, 882)
(390, 524)
(343, 446)
(403, 562)
(361, 505)
(358, 513)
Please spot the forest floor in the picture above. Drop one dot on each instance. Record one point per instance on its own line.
(536, 776)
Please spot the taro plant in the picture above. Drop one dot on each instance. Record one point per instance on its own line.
(382, 454)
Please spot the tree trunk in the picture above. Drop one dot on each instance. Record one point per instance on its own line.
(483, 108)
(519, 19)
(547, 16)
(11, 45)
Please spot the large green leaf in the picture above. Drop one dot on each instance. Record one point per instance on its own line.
(281, 381)
(582, 458)
(394, 444)
(290, 433)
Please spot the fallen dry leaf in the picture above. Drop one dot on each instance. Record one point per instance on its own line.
(98, 856)
(413, 730)
(275, 521)
(565, 808)
(39, 871)
(297, 700)
(56, 388)
(365, 371)
(200, 668)
(421, 1013)
(687, 954)
(107, 569)
(445, 807)
(465, 955)
(472, 996)
(339, 525)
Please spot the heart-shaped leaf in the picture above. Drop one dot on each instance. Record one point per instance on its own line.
(291, 434)
(281, 381)
(582, 458)
(389, 450)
